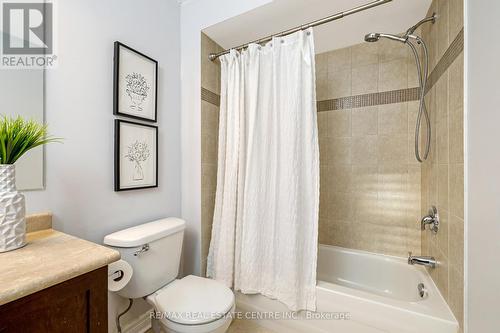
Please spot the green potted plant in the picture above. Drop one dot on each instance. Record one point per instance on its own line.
(17, 136)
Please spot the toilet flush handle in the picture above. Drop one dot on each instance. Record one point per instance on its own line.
(144, 248)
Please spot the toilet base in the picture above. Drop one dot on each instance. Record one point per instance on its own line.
(218, 326)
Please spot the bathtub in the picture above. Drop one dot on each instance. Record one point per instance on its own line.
(359, 292)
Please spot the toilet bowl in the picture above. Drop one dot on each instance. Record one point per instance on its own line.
(193, 305)
(189, 305)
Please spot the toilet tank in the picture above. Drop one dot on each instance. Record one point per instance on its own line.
(153, 250)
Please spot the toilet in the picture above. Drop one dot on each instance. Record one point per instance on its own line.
(189, 305)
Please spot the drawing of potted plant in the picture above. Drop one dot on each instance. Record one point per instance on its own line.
(138, 152)
(137, 89)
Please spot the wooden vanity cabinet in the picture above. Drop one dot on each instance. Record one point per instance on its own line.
(73, 306)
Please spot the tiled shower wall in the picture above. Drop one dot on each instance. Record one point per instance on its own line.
(443, 173)
(370, 180)
(210, 88)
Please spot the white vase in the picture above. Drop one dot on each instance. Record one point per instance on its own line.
(12, 211)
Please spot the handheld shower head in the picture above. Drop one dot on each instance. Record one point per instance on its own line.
(375, 37)
(372, 37)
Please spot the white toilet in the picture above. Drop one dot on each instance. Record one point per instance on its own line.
(188, 305)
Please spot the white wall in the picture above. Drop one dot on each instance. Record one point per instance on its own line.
(79, 107)
(482, 234)
(195, 16)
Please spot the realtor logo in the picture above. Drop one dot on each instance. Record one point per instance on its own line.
(27, 34)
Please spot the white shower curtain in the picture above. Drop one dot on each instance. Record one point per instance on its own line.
(265, 226)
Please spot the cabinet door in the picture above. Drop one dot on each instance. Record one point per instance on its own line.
(76, 305)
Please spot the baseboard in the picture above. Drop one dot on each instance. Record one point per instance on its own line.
(139, 325)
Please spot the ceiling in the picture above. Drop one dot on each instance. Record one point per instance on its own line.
(279, 15)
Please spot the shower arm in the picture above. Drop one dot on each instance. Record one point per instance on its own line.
(419, 23)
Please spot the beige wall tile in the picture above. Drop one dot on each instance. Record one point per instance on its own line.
(322, 118)
(210, 70)
(393, 119)
(339, 178)
(393, 75)
(365, 79)
(393, 180)
(324, 147)
(366, 207)
(339, 59)
(339, 150)
(339, 123)
(210, 79)
(390, 50)
(368, 182)
(391, 149)
(456, 244)
(456, 17)
(442, 24)
(442, 199)
(431, 36)
(364, 121)
(442, 119)
(321, 62)
(365, 54)
(339, 84)
(456, 72)
(322, 86)
(457, 190)
(364, 178)
(413, 80)
(456, 135)
(443, 234)
(364, 150)
(340, 206)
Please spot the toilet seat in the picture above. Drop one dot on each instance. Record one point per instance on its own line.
(194, 304)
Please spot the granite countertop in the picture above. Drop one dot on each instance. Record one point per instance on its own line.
(49, 258)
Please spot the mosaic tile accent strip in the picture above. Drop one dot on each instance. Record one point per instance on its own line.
(359, 101)
(210, 97)
(456, 47)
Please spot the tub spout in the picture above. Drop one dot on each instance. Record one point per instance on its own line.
(422, 260)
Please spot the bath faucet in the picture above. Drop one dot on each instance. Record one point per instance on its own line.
(422, 260)
(432, 219)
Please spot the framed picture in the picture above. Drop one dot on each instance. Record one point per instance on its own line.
(135, 84)
(136, 155)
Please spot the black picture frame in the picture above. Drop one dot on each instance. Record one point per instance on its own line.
(117, 153)
(116, 82)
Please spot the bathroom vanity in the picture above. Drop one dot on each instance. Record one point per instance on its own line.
(56, 283)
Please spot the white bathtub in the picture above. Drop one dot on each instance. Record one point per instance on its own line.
(378, 293)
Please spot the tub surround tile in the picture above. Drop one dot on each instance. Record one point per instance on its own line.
(442, 180)
(364, 121)
(393, 75)
(210, 103)
(369, 200)
(364, 54)
(338, 123)
(365, 79)
(49, 258)
(339, 83)
(393, 119)
(339, 60)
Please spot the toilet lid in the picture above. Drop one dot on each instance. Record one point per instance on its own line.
(194, 300)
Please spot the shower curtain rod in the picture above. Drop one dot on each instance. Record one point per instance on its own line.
(330, 18)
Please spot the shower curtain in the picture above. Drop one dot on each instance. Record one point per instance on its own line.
(265, 225)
